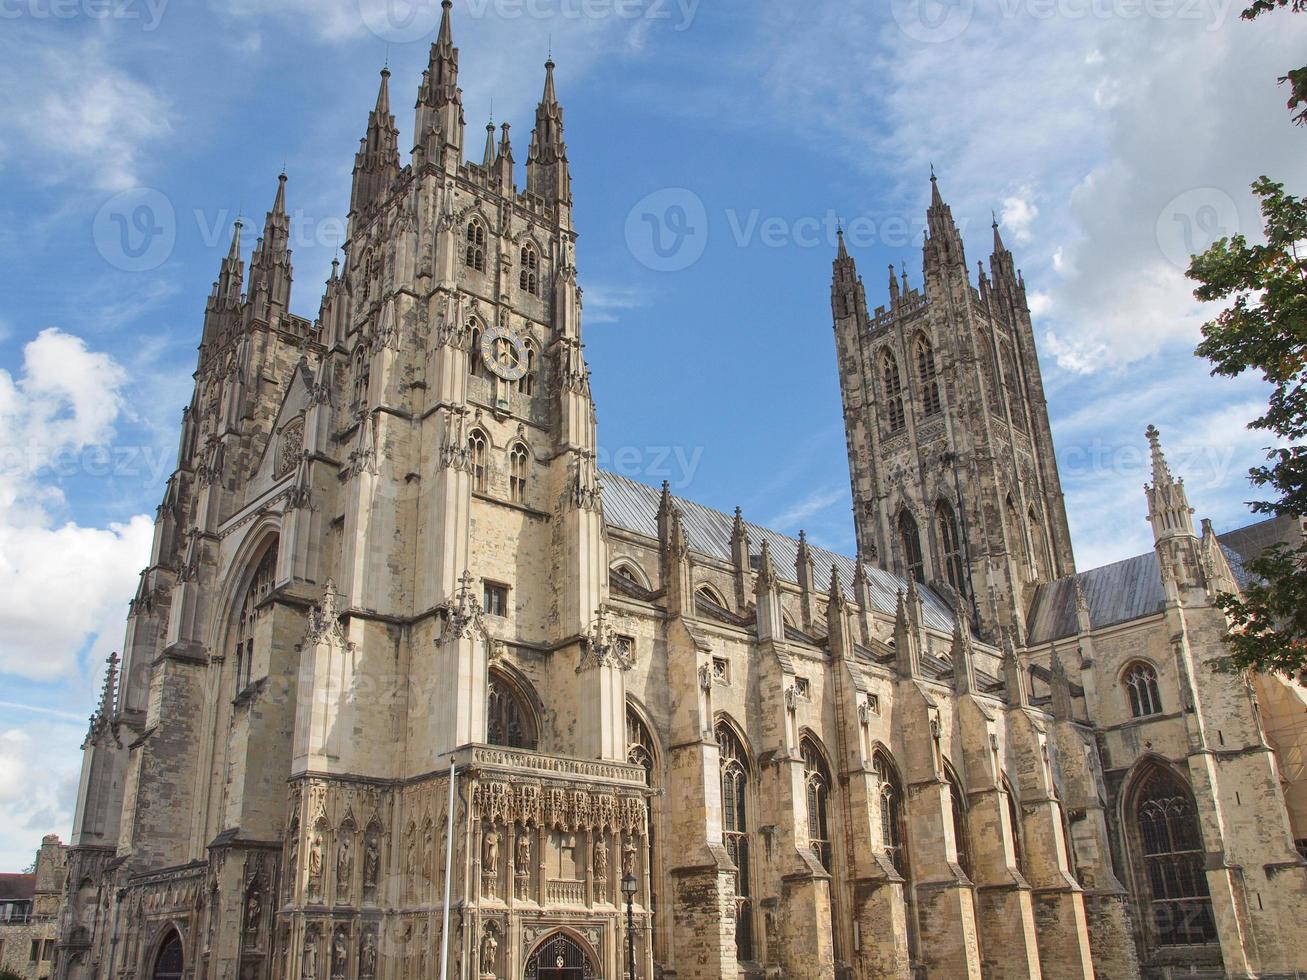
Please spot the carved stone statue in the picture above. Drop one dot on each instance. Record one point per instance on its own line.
(371, 867)
(490, 855)
(629, 852)
(253, 916)
(340, 955)
(315, 867)
(344, 865)
(489, 951)
(601, 859)
(310, 968)
(368, 955)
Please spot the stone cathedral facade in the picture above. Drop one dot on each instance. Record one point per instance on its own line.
(411, 690)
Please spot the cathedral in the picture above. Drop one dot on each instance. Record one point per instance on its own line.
(410, 689)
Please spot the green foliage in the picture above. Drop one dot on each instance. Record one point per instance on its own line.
(1264, 329)
(1297, 77)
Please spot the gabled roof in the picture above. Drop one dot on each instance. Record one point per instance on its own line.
(17, 888)
(634, 506)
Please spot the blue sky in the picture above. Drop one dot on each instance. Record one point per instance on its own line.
(1111, 137)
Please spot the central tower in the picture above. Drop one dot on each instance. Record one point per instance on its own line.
(950, 452)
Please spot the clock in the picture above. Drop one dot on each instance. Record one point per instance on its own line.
(504, 353)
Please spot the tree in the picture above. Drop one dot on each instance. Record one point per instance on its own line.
(1265, 329)
(1297, 77)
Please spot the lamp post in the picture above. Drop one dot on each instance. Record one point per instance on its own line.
(629, 885)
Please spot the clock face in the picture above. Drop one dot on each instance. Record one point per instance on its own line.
(504, 353)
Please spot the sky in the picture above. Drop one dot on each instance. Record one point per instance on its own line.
(714, 146)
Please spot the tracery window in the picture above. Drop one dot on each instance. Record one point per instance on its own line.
(961, 834)
(816, 780)
(927, 376)
(518, 459)
(474, 257)
(527, 385)
(476, 451)
(1140, 682)
(914, 565)
(950, 544)
(170, 962)
(891, 812)
(735, 832)
(895, 416)
(529, 275)
(247, 619)
(1171, 854)
(509, 722)
(474, 363)
(641, 751)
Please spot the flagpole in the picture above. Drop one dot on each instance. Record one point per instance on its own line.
(449, 873)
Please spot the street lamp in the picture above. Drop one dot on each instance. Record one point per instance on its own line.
(629, 886)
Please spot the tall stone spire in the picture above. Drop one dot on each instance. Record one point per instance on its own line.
(845, 285)
(547, 171)
(1000, 262)
(223, 308)
(439, 129)
(1168, 504)
(488, 157)
(270, 266)
(943, 242)
(377, 163)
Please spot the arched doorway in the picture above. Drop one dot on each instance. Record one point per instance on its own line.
(169, 961)
(560, 957)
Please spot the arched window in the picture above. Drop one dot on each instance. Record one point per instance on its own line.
(891, 812)
(893, 385)
(474, 256)
(927, 375)
(509, 722)
(1170, 860)
(518, 458)
(170, 961)
(260, 587)
(1038, 549)
(710, 595)
(529, 275)
(362, 377)
(735, 832)
(474, 364)
(1140, 681)
(641, 751)
(961, 833)
(1014, 819)
(914, 565)
(528, 383)
(816, 780)
(950, 545)
(476, 453)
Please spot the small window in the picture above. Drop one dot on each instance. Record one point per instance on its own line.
(476, 451)
(1141, 688)
(474, 366)
(517, 470)
(474, 257)
(529, 275)
(721, 670)
(36, 950)
(528, 383)
(802, 688)
(495, 599)
(914, 564)
(873, 703)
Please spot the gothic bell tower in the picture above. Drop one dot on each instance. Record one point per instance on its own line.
(955, 483)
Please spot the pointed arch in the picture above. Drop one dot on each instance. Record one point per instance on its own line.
(476, 330)
(893, 829)
(950, 546)
(914, 563)
(641, 746)
(630, 570)
(528, 278)
(527, 384)
(511, 719)
(892, 390)
(362, 377)
(708, 591)
(927, 375)
(478, 459)
(519, 464)
(1167, 856)
(258, 579)
(817, 796)
(567, 947)
(1015, 824)
(1139, 681)
(961, 830)
(474, 240)
(169, 961)
(737, 825)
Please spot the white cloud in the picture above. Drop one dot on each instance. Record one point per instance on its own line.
(607, 303)
(810, 506)
(60, 584)
(39, 768)
(1019, 213)
(72, 114)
